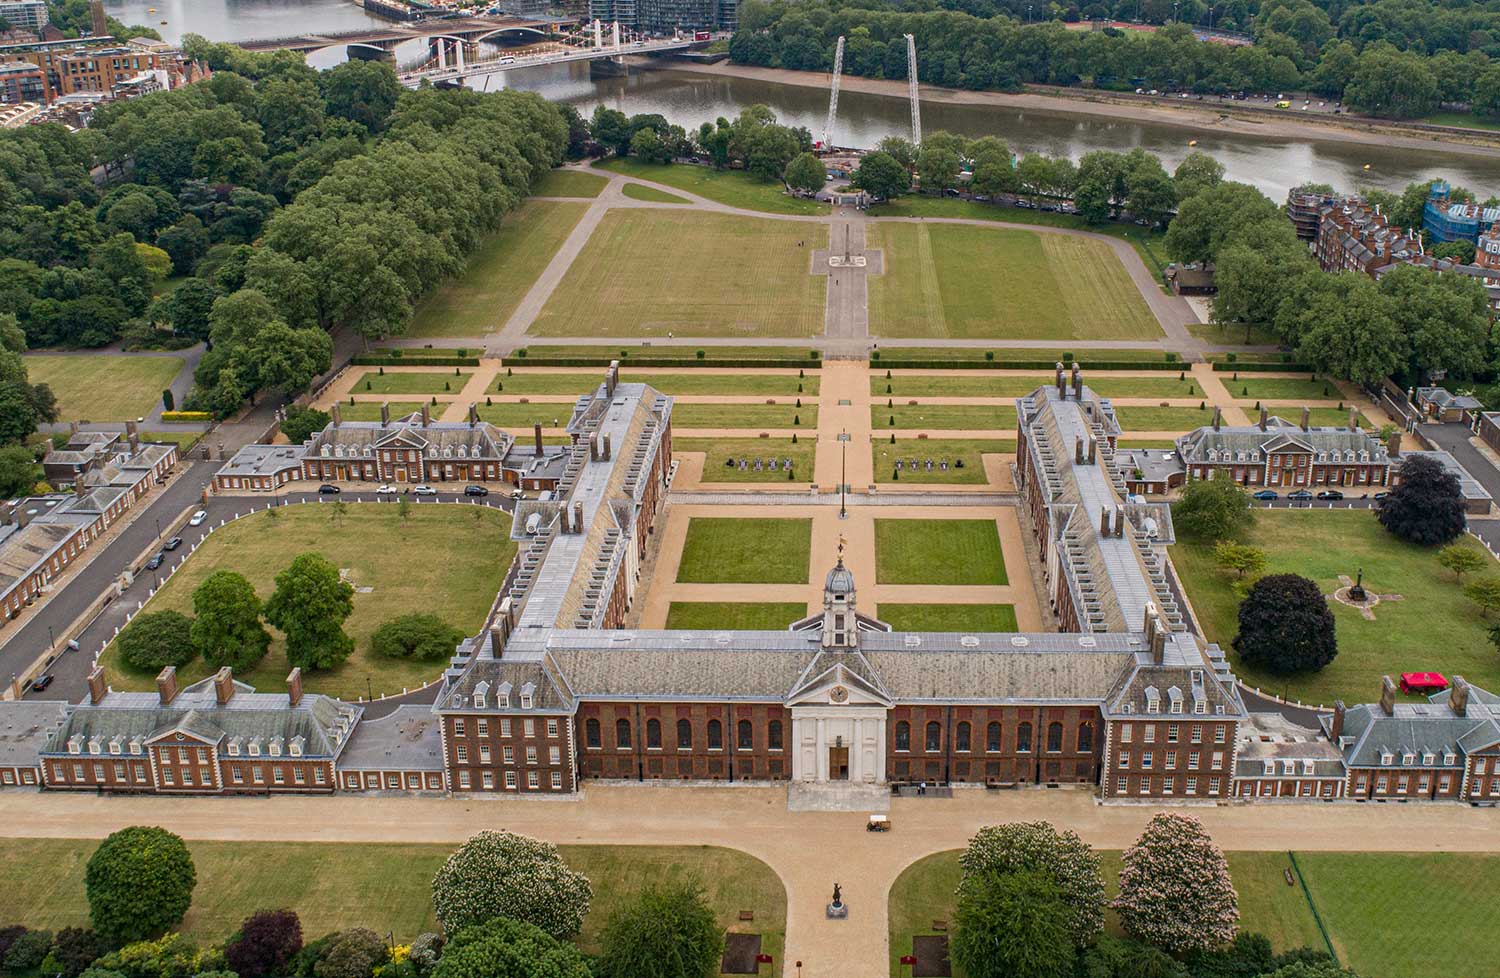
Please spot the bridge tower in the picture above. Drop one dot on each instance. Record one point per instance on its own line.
(833, 94)
(615, 35)
(598, 34)
(911, 89)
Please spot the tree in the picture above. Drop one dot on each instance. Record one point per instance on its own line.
(1196, 173)
(1427, 506)
(187, 308)
(805, 173)
(1012, 924)
(27, 951)
(157, 639)
(361, 91)
(416, 636)
(18, 470)
(1391, 83)
(1485, 592)
(139, 883)
(1062, 858)
(611, 129)
(499, 874)
(309, 606)
(266, 942)
(881, 176)
(1241, 558)
(172, 956)
(227, 630)
(1175, 890)
(1445, 317)
(158, 263)
(667, 930)
(513, 948)
(1350, 331)
(647, 146)
(301, 423)
(355, 953)
(899, 149)
(1286, 626)
(938, 168)
(1213, 509)
(1460, 559)
(73, 950)
(1487, 93)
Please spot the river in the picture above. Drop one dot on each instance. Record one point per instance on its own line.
(687, 98)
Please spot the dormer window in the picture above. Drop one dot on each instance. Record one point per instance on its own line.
(93, 745)
(478, 700)
(276, 747)
(1449, 757)
(1386, 757)
(114, 745)
(296, 747)
(481, 693)
(1268, 766)
(1408, 758)
(254, 748)
(525, 700)
(1428, 758)
(234, 747)
(1307, 766)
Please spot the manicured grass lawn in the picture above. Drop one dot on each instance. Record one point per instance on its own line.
(948, 617)
(1235, 334)
(101, 387)
(552, 414)
(569, 183)
(793, 356)
(718, 451)
(734, 615)
(1434, 627)
(785, 415)
(707, 383)
(966, 417)
(183, 439)
(361, 540)
(948, 280)
(953, 450)
(924, 892)
(647, 273)
(639, 191)
(385, 887)
(1003, 355)
(408, 382)
(1162, 419)
(1282, 389)
(967, 384)
(735, 188)
(955, 552)
(538, 383)
(500, 272)
(370, 410)
(720, 550)
(1330, 417)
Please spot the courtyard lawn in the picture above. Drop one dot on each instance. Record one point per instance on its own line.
(499, 272)
(717, 453)
(546, 383)
(790, 356)
(967, 384)
(1282, 389)
(1162, 418)
(102, 386)
(1236, 334)
(552, 414)
(385, 887)
(359, 541)
(184, 440)
(734, 615)
(948, 617)
(1001, 355)
(569, 183)
(370, 410)
(721, 550)
(963, 417)
(783, 415)
(952, 450)
(962, 281)
(732, 187)
(410, 382)
(924, 892)
(709, 383)
(647, 273)
(639, 191)
(951, 552)
(1433, 627)
(1330, 417)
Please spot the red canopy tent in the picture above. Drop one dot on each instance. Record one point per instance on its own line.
(1423, 682)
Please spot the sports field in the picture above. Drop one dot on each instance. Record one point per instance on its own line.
(500, 272)
(647, 273)
(103, 387)
(969, 282)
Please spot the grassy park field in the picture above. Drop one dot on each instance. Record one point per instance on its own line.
(745, 551)
(950, 552)
(101, 387)
(1432, 627)
(500, 271)
(359, 537)
(569, 183)
(384, 887)
(647, 273)
(734, 615)
(639, 191)
(731, 187)
(968, 282)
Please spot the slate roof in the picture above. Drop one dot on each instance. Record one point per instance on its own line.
(1195, 446)
(1418, 728)
(1272, 737)
(25, 725)
(409, 738)
(436, 439)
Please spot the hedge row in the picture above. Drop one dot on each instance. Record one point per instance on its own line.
(1028, 364)
(658, 362)
(1265, 366)
(186, 416)
(373, 360)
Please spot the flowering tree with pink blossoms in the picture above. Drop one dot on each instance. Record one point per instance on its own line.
(1175, 890)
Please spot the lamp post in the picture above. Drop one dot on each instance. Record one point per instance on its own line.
(51, 640)
(158, 528)
(843, 473)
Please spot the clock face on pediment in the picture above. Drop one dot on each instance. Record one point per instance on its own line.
(838, 694)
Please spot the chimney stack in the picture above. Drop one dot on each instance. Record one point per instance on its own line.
(224, 685)
(578, 516)
(166, 685)
(133, 436)
(1093, 448)
(562, 519)
(1306, 417)
(72, 429)
(1387, 696)
(497, 639)
(593, 449)
(1264, 417)
(1336, 725)
(385, 413)
(1353, 418)
(97, 689)
(473, 415)
(338, 415)
(1458, 697)
(1062, 385)
(426, 415)
(78, 485)
(1077, 382)
(1218, 418)
(294, 686)
(1119, 521)
(1077, 451)
(1393, 445)
(606, 446)
(1104, 522)
(1159, 645)
(612, 378)
(537, 430)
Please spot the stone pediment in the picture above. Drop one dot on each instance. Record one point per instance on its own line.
(837, 685)
(402, 438)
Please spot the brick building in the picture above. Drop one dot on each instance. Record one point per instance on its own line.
(83, 66)
(1355, 237)
(1278, 759)
(21, 81)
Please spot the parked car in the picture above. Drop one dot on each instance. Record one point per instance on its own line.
(198, 518)
(518, 494)
(424, 490)
(155, 561)
(172, 544)
(1267, 494)
(328, 490)
(385, 489)
(1330, 494)
(476, 491)
(1381, 494)
(41, 682)
(1299, 495)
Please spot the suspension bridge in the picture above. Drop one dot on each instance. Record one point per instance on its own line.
(831, 124)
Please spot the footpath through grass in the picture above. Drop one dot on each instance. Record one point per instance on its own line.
(1433, 626)
(103, 386)
(732, 187)
(734, 615)
(385, 887)
(725, 550)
